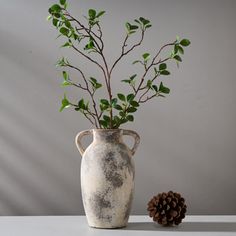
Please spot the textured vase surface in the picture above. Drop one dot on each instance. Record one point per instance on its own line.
(107, 177)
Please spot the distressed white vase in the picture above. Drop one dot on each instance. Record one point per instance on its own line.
(107, 177)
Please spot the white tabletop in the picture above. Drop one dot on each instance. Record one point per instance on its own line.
(138, 225)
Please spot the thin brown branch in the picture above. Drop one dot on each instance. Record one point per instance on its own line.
(148, 98)
(160, 50)
(152, 64)
(77, 85)
(86, 115)
(90, 93)
(123, 52)
(89, 58)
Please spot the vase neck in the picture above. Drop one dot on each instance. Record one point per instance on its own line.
(107, 135)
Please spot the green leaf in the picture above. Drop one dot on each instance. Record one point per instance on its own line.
(176, 48)
(94, 83)
(156, 71)
(114, 102)
(66, 83)
(162, 66)
(54, 8)
(49, 17)
(92, 13)
(133, 27)
(100, 13)
(90, 44)
(121, 97)
(61, 62)
(149, 83)
(62, 2)
(81, 104)
(130, 118)
(116, 121)
(126, 80)
(65, 75)
(148, 26)
(132, 76)
(67, 44)
(131, 109)
(104, 107)
(127, 25)
(164, 72)
(122, 114)
(130, 97)
(55, 21)
(104, 102)
(64, 103)
(67, 24)
(134, 103)
(118, 107)
(103, 123)
(155, 88)
(163, 89)
(64, 31)
(137, 61)
(181, 50)
(106, 118)
(144, 21)
(146, 56)
(185, 42)
(177, 58)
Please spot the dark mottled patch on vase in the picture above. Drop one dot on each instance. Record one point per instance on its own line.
(100, 204)
(126, 160)
(111, 168)
(115, 178)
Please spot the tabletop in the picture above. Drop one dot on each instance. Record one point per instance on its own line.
(138, 225)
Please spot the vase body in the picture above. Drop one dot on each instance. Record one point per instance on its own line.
(107, 178)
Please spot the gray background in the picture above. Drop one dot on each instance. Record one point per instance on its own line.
(188, 140)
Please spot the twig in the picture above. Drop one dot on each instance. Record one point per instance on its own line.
(123, 53)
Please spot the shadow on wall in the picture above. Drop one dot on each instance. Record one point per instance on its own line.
(28, 157)
(31, 176)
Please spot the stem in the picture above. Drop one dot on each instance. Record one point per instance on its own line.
(105, 71)
(86, 115)
(123, 53)
(148, 98)
(90, 93)
(152, 64)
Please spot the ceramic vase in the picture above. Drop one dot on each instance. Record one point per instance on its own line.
(107, 177)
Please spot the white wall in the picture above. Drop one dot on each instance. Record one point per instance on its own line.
(188, 139)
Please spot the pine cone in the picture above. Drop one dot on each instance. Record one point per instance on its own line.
(167, 208)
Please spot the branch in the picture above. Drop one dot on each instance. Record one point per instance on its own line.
(159, 52)
(152, 64)
(105, 71)
(89, 91)
(86, 115)
(148, 98)
(80, 24)
(123, 53)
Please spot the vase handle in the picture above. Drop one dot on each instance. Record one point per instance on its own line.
(78, 139)
(136, 139)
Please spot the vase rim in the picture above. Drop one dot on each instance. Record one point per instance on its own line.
(102, 130)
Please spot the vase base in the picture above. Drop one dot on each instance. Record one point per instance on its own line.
(107, 227)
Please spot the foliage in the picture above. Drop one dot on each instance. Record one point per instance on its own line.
(87, 39)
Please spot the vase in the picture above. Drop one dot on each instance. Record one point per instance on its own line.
(107, 177)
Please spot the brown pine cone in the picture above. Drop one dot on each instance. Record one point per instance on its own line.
(167, 208)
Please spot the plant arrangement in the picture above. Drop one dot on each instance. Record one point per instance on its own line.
(86, 38)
